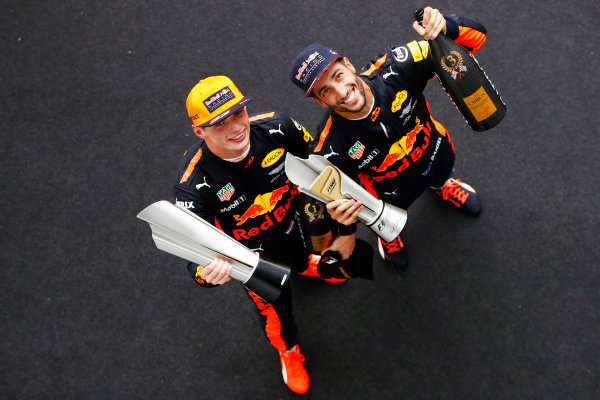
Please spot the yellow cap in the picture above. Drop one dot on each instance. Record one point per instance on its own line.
(214, 99)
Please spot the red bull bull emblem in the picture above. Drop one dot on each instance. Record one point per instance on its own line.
(263, 203)
(401, 148)
(307, 137)
(375, 114)
(226, 192)
(306, 62)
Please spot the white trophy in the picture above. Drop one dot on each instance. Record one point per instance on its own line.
(182, 233)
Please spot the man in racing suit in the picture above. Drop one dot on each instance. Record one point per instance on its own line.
(234, 178)
(378, 129)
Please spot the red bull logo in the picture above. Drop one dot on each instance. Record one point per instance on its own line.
(305, 63)
(414, 156)
(219, 98)
(306, 136)
(401, 148)
(375, 114)
(275, 215)
(263, 203)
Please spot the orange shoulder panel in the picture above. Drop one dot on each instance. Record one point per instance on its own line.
(191, 166)
(261, 116)
(323, 135)
(375, 66)
(470, 38)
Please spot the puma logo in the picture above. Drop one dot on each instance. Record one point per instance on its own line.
(278, 130)
(333, 153)
(198, 186)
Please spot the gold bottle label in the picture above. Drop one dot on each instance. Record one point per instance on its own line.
(480, 104)
(321, 242)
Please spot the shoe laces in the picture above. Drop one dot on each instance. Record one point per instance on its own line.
(392, 246)
(453, 189)
(295, 360)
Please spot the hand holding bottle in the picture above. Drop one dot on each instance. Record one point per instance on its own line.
(460, 74)
(433, 23)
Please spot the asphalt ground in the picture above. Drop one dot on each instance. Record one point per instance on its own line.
(93, 122)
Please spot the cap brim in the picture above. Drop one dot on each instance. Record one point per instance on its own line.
(227, 113)
(319, 77)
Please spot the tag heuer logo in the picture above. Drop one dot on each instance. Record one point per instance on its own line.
(357, 150)
(226, 192)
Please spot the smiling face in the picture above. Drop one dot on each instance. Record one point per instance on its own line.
(228, 138)
(341, 89)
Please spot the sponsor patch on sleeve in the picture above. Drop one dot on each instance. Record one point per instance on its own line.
(424, 47)
(415, 50)
(400, 53)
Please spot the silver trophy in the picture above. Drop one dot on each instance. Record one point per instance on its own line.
(320, 179)
(182, 233)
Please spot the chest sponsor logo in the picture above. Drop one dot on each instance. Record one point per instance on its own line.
(263, 203)
(400, 98)
(400, 53)
(407, 111)
(369, 158)
(277, 169)
(187, 204)
(226, 192)
(401, 148)
(272, 157)
(267, 205)
(233, 205)
(357, 150)
(405, 162)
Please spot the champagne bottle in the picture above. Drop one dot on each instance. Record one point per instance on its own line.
(465, 82)
(316, 224)
(319, 230)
